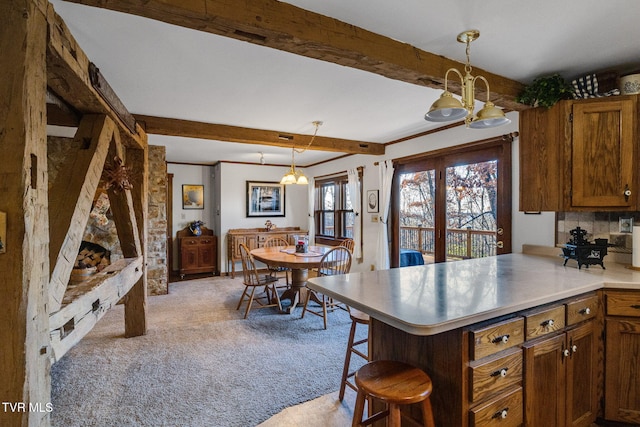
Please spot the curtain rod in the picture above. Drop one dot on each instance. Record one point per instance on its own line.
(501, 138)
(339, 173)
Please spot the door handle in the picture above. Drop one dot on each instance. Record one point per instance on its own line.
(500, 244)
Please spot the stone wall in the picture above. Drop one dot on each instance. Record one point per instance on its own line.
(157, 222)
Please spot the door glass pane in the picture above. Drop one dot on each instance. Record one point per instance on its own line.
(417, 215)
(471, 210)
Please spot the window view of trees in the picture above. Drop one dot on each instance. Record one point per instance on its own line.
(334, 216)
(471, 211)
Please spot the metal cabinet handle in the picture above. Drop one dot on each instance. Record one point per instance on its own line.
(500, 373)
(574, 348)
(566, 352)
(502, 339)
(502, 414)
(548, 323)
(627, 192)
(585, 311)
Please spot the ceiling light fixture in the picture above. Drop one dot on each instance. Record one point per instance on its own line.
(296, 176)
(448, 108)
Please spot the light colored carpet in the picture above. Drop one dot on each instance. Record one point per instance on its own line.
(201, 364)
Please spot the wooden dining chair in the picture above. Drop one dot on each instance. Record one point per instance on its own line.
(336, 261)
(275, 242)
(252, 280)
(349, 244)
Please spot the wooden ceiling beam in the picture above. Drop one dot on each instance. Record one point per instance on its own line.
(68, 78)
(218, 132)
(289, 28)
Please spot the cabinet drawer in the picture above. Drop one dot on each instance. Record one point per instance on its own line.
(504, 411)
(543, 321)
(495, 337)
(494, 374)
(623, 303)
(187, 241)
(581, 309)
(205, 241)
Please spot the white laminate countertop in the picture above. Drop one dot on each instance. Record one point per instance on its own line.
(430, 299)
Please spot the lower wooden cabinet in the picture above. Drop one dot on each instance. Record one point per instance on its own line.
(561, 378)
(198, 254)
(622, 356)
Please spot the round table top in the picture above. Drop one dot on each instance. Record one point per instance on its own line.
(281, 256)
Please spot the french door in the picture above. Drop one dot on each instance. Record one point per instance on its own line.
(452, 205)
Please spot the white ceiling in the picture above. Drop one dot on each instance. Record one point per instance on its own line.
(159, 69)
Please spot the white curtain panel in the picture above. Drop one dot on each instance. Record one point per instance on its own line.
(386, 176)
(354, 194)
(311, 221)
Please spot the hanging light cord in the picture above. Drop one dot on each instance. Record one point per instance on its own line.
(317, 124)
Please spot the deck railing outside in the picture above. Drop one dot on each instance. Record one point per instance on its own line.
(461, 243)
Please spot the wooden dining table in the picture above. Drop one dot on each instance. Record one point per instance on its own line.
(298, 263)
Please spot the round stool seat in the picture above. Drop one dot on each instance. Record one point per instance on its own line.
(394, 382)
(359, 316)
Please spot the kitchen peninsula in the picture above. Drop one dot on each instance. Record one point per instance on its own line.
(488, 330)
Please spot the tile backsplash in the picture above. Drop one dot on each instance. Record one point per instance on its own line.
(599, 225)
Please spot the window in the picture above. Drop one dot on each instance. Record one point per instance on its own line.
(334, 214)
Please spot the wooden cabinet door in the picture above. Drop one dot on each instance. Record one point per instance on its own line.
(544, 378)
(188, 257)
(603, 152)
(622, 376)
(541, 152)
(582, 394)
(206, 256)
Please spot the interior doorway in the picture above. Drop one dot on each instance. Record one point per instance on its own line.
(451, 205)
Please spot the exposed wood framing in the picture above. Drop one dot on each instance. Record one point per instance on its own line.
(289, 28)
(135, 303)
(24, 338)
(70, 200)
(218, 132)
(59, 112)
(85, 303)
(68, 77)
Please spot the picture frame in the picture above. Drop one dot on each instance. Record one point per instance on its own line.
(265, 199)
(192, 196)
(372, 201)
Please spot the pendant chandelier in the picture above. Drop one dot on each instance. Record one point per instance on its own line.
(448, 108)
(296, 176)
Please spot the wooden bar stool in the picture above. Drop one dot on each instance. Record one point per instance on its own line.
(394, 383)
(357, 318)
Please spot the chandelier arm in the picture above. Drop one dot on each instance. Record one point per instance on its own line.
(446, 77)
(486, 83)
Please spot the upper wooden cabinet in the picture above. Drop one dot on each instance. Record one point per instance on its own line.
(579, 155)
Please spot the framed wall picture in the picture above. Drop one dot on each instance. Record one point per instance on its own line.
(265, 199)
(192, 196)
(372, 201)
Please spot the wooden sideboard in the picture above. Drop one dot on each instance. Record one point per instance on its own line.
(197, 253)
(254, 238)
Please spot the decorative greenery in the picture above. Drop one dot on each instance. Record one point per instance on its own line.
(546, 91)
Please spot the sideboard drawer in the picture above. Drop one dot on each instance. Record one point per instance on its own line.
(581, 309)
(540, 322)
(504, 411)
(494, 374)
(622, 303)
(495, 337)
